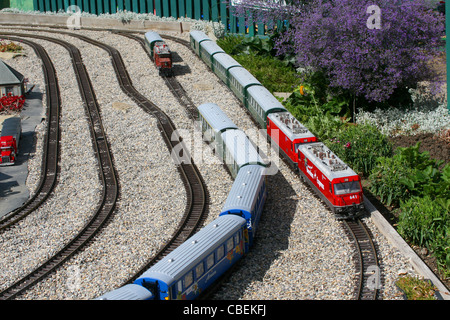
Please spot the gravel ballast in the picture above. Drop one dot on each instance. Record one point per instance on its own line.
(301, 251)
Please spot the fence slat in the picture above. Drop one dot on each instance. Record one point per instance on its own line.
(173, 8)
(214, 10)
(197, 9)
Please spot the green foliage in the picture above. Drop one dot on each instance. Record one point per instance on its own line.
(409, 173)
(270, 72)
(385, 177)
(360, 146)
(257, 55)
(425, 221)
(416, 289)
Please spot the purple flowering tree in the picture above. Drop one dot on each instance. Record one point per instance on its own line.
(369, 48)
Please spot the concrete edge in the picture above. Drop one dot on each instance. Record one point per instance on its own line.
(54, 20)
(395, 239)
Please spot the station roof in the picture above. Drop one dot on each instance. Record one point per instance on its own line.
(8, 75)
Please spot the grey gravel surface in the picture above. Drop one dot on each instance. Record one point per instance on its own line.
(301, 251)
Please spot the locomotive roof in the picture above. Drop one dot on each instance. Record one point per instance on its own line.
(241, 148)
(127, 292)
(211, 47)
(244, 77)
(199, 35)
(245, 188)
(265, 99)
(327, 162)
(194, 249)
(291, 127)
(226, 60)
(215, 117)
(162, 49)
(153, 36)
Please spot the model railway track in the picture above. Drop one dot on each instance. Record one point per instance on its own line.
(365, 251)
(171, 82)
(367, 266)
(197, 194)
(51, 147)
(106, 172)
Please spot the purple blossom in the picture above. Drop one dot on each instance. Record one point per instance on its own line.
(334, 37)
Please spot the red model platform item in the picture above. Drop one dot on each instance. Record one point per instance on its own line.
(9, 140)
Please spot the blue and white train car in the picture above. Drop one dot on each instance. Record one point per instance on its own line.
(191, 268)
(213, 122)
(222, 64)
(239, 82)
(208, 49)
(261, 103)
(247, 197)
(238, 151)
(128, 292)
(196, 37)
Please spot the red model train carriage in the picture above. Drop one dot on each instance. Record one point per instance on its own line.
(337, 184)
(288, 134)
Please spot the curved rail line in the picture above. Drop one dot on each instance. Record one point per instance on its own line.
(365, 250)
(367, 265)
(107, 175)
(197, 195)
(366, 254)
(51, 147)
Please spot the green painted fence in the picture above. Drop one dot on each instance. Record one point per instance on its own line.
(210, 10)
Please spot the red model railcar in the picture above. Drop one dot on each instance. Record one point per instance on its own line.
(288, 134)
(337, 184)
(163, 58)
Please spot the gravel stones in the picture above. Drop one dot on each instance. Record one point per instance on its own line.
(301, 251)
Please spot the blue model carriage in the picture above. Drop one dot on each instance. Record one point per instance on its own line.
(128, 292)
(247, 197)
(197, 263)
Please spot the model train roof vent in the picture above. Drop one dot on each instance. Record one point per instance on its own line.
(292, 123)
(328, 158)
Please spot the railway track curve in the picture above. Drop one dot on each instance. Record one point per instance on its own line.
(197, 193)
(107, 176)
(51, 147)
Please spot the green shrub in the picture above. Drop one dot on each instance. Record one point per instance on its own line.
(425, 221)
(360, 146)
(385, 177)
(409, 173)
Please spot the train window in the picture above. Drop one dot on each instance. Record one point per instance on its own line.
(236, 239)
(230, 244)
(199, 270)
(347, 187)
(210, 261)
(188, 279)
(220, 252)
(180, 286)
